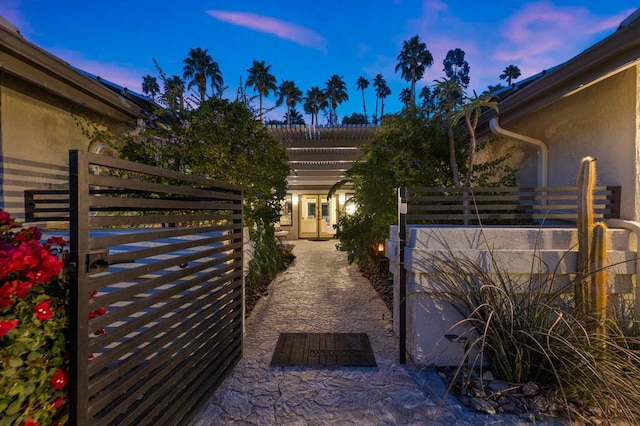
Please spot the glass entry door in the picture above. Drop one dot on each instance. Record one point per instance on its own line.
(317, 216)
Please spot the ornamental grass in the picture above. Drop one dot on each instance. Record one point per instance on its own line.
(530, 330)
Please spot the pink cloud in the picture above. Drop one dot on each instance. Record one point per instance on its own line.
(541, 34)
(285, 30)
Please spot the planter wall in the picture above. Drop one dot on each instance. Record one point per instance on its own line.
(515, 250)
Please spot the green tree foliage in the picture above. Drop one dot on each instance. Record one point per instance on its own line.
(224, 141)
(410, 149)
(413, 60)
(355, 118)
(261, 80)
(456, 68)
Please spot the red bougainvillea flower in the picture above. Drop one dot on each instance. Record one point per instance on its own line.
(57, 403)
(59, 379)
(22, 288)
(6, 220)
(57, 241)
(28, 234)
(42, 310)
(7, 326)
(7, 289)
(30, 422)
(101, 311)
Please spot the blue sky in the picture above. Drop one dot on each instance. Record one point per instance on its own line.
(308, 41)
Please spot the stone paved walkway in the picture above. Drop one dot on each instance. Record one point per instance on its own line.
(320, 292)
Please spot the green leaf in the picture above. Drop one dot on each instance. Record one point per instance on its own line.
(14, 407)
(15, 361)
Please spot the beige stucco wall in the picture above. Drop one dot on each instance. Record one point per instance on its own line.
(37, 130)
(599, 121)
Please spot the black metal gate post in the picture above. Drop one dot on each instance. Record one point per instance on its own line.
(402, 296)
(78, 293)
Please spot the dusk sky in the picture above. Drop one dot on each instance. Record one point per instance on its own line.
(308, 41)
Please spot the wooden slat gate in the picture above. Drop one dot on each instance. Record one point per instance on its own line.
(156, 290)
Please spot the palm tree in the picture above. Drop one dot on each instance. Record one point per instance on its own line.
(413, 60)
(378, 81)
(336, 92)
(198, 68)
(405, 97)
(362, 84)
(314, 102)
(289, 94)
(510, 73)
(174, 92)
(295, 117)
(150, 86)
(382, 91)
(261, 80)
(428, 100)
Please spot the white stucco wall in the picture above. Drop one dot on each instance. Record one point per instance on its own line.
(599, 121)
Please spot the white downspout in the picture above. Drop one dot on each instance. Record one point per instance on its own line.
(635, 228)
(543, 150)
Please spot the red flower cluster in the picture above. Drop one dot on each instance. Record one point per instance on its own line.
(32, 292)
(7, 326)
(23, 265)
(59, 379)
(42, 310)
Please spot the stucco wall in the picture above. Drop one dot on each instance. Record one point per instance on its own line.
(37, 130)
(599, 121)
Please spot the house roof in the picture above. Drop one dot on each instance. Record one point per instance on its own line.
(610, 56)
(319, 156)
(36, 66)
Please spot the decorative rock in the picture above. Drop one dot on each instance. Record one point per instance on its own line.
(487, 376)
(482, 406)
(530, 389)
(498, 386)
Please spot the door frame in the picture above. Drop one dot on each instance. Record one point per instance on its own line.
(320, 199)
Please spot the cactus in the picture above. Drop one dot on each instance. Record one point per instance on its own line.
(586, 183)
(591, 285)
(599, 277)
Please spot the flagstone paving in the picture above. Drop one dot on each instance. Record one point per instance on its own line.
(320, 293)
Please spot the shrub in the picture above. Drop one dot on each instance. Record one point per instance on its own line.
(33, 325)
(270, 257)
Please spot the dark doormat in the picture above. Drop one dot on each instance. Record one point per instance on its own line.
(323, 349)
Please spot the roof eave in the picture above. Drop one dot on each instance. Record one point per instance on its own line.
(33, 64)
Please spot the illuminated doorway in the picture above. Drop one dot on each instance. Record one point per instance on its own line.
(317, 216)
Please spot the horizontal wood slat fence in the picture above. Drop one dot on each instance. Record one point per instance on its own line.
(505, 205)
(161, 252)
